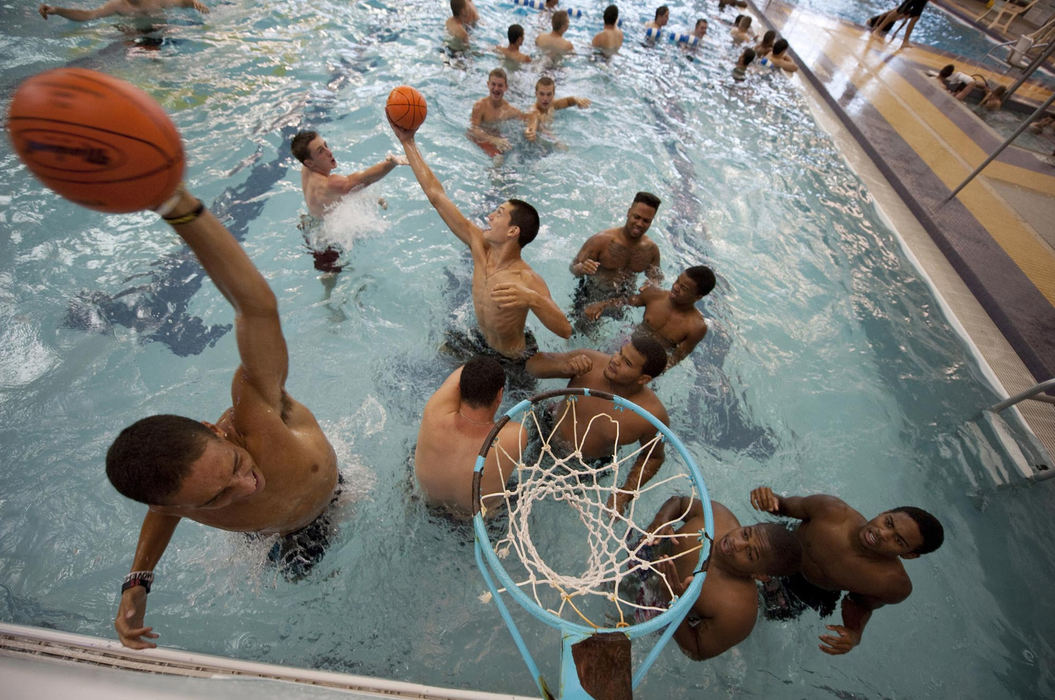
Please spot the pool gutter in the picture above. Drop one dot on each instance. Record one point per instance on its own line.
(33, 644)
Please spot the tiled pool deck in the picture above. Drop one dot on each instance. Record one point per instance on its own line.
(990, 251)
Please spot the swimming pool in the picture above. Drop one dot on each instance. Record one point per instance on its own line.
(829, 366)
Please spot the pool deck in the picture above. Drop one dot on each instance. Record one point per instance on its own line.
(997, 236)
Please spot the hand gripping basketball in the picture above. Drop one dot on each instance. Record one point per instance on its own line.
(406, 108)
(96, 140)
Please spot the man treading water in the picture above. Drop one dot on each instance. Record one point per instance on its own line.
(264, 467)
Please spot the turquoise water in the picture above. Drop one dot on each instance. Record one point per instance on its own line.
(829, 366)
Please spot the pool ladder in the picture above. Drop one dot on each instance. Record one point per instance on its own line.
(1036, 393)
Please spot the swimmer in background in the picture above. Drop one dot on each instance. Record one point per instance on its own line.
(608, 262)
(609, 39)
(779, 56)
(490, 111)
(504, 287)
(660, 20)
(671, 317)
(765, 44)
(722, 4)
(554, 42)
(841, 551)
(126, 8)
(625, 373)
(454, 424)
(725, 611)
(515, 33)
(541, 115)
(457, 25)
(264, 467)
(741, 31)
(700, 30)
(740, 69)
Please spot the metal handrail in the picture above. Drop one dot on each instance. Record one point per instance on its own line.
(1027, 394)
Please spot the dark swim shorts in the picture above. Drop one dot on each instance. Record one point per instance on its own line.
(912, 8)
(466, 345)
(297, 553)
(787, 597)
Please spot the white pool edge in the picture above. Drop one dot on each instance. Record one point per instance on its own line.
(22, 642)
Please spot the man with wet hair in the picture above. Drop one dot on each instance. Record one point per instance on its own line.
(263, 467)
(779, 56)
(671, 317)
(488, 112)
(515, 34)
(541, 115)
(725, 611)
(125, 8)
(844, 552)
(626, 373)
(608, 262)
(609, 39)
(740, 69)
(462, 17)
(504, 287)
(554, 43)
(661, 18)
(454, 424)
(321, 186)
(700, 30)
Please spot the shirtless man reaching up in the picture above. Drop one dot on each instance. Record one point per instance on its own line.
(322, 187)
(842, 551)
(489, 111)
(541, 115)
(504, 287)
(670, 317)
(263, 467)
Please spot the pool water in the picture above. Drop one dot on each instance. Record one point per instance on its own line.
(829, 366)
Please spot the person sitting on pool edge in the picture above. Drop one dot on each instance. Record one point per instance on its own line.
(909, 9)
(264, 467)
(844, 552)
(725, 611)
(671, 317)
(541, 114)
(127, 8)
(515, 34)
(455, 422)
(554, 42)
(489, 111)
(626, 373)
(609, 39)
(504, 287)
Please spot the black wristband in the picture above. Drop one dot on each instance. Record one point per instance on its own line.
(138, 578)
(186, 218)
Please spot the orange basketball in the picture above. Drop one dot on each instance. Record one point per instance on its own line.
(96, 140)
(406, 108)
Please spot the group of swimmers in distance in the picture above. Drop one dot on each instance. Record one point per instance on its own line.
(265, 466)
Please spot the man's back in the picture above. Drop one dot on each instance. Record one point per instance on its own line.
(553, 43)
(609, 39)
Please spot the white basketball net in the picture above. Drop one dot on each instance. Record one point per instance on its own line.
(618, 545)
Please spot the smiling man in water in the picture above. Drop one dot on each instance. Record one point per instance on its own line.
(841, 551)
(264, 467)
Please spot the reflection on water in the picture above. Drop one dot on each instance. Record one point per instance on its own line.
(827, 368)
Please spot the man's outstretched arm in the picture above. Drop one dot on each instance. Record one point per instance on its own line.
(154, 536)
(466, 232)
(261, 346)
(105, 10)
(370, 175)
(799, 507)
